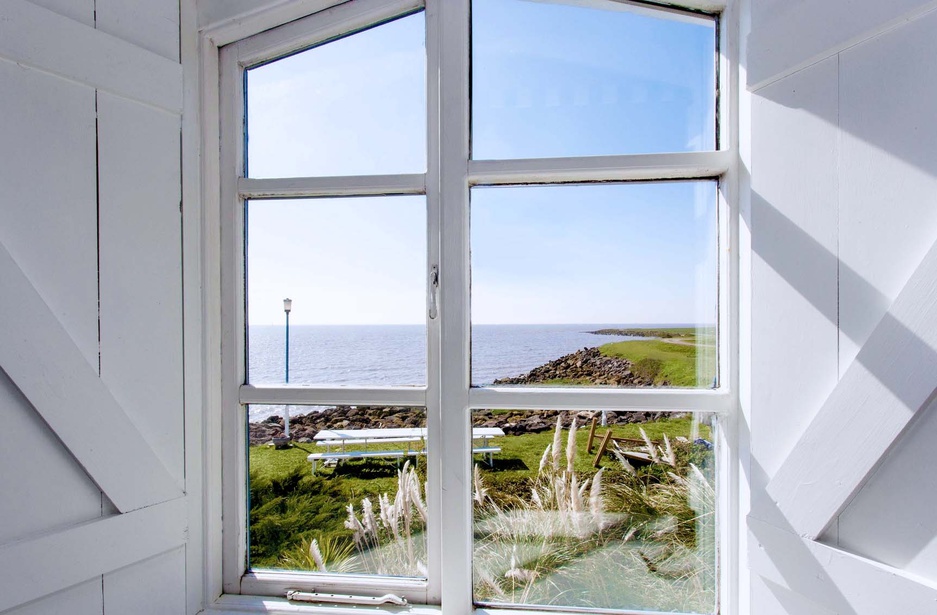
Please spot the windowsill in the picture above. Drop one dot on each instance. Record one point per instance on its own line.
(230, 604)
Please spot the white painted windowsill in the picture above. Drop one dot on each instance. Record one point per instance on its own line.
(237, 605)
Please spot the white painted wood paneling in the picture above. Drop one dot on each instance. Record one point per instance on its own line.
(888, 182)
(150, 24)
(40, 566)
(794, 302)
(141, 270)
(892, 518)
(33, 36)
(83, 599)
(41, 359)
(38, 473)
(893, 376)
(838, 581)
(152, 587)
(777, 600)
(48, 209)
(79, 10)
(788, 35)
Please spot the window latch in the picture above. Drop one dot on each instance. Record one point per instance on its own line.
(299, 596)
(433, 287)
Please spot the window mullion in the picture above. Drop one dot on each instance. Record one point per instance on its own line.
(433, 402)
(456, 504)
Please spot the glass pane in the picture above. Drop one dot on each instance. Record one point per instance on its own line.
(611, 510)
(354, 106)
(371, 459)
(354, 270)
(600, 284)
(551, 80)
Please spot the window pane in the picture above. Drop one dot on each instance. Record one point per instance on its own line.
(605, 512)
(600, 284)
(551, 80)
(372, 459)
(355, 272)
(354, 106)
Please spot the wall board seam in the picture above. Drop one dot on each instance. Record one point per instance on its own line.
(45, 564)
(885, 28)
(41, 358)
(35, 37)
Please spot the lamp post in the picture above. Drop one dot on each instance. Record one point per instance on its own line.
(287, 306)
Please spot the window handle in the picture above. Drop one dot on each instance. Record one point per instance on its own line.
(433, 287)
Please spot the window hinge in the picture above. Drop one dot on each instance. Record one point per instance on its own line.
(433, 287)
(299, 596)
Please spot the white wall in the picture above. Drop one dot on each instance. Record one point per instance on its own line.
(91, 93)
(844, 208)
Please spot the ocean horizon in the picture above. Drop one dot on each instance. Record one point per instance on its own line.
(395, 355)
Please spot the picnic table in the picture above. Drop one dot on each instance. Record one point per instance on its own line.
(391, 442)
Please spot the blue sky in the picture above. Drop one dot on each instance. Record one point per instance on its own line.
(548, 80)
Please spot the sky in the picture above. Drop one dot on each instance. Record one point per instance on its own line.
(548, 80)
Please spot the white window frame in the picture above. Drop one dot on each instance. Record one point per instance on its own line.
(224, 51)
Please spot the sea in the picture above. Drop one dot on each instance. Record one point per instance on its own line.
(384, 355)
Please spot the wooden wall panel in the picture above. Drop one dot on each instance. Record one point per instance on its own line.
(794, 196)
(82, 599)
(141, 270)
(79, 10)
(152, 587)
(38, 475)
(888, 206)
(49, 197)
(777, 600)
(790, 35)
(892, 518)
(150, 24)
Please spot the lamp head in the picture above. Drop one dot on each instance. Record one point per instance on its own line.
(287, 305)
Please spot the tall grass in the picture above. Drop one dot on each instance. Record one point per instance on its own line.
(643, 539)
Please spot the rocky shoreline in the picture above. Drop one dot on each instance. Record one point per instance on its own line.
(587, 366)
(514, 422)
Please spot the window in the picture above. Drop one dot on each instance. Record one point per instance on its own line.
(476, 305)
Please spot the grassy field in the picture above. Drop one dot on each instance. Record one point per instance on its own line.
(289, 505)
(677, 364)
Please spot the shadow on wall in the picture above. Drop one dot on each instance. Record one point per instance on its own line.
(884, 181)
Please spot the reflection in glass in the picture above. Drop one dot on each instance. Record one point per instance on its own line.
(598, 284)
(551, 80)
(353, 106)
(581, 510)
(354, 269)
(348, 495)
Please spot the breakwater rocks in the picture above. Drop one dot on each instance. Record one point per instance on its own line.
(586, 366)
(513, 422)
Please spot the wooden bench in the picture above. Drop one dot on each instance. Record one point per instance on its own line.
(381, 438)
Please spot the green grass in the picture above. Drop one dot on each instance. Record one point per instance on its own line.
(290, 506)
(662, 361)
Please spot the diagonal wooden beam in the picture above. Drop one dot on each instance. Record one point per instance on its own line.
(37, 353)
(31, 35)
(40, 566)
(893, 376)
(836, 580)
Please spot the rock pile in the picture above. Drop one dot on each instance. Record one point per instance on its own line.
(304, 427)
(513, 422)
(586, 366)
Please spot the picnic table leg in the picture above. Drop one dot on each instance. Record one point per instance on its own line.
(591, 435)
(602, 447)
